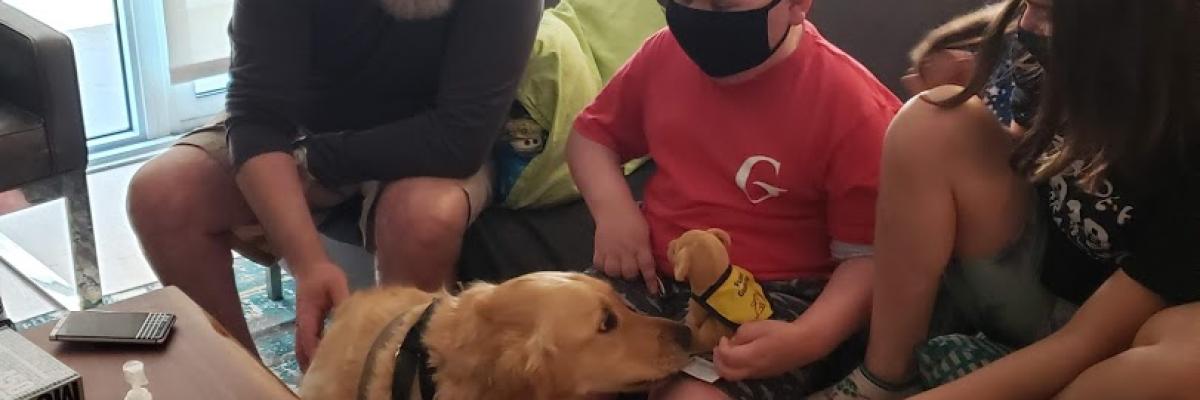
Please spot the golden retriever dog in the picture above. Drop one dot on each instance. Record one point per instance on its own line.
(546, 335)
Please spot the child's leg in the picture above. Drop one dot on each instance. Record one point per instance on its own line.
(946, 189)
(1163, 364)
(672, 304)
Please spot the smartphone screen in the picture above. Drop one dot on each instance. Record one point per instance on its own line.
(102, 324)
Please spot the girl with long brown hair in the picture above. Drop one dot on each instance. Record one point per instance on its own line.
(1073, 241)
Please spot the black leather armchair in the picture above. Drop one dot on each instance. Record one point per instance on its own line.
(43, 154)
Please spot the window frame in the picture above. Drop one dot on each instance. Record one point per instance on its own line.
(158, 109)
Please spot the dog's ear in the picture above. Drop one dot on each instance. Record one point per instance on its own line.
(721, 235)
(673, 247)
(683, 263)
(525, 365)
(538, 348)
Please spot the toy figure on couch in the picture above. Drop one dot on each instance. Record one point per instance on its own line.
(761, 127)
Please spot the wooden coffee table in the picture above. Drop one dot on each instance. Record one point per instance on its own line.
(200, 361)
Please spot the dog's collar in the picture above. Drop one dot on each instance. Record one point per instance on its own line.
(412, 361)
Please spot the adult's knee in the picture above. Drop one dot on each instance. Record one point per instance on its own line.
(422, 210)
(169, 194)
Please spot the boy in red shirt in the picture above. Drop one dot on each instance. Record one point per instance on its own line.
(762, 128)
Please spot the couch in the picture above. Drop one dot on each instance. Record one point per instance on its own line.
(505, 243)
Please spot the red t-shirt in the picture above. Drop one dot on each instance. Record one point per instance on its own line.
(787, 162)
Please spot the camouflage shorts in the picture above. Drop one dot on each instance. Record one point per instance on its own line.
(789, 299)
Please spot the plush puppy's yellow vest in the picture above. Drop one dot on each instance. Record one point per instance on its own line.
(736, 298)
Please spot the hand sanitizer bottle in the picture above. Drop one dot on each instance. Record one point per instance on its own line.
(135, 375)
(4, 321)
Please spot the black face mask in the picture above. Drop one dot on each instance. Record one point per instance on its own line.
(723, 43)
(1037, 45)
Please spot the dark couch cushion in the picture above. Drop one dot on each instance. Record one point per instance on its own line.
(507, 243)
(24, 152)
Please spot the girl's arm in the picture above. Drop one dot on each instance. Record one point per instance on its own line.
(1103, 327)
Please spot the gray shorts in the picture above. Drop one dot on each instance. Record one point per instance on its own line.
(251, 241)
(1003, 296)
(989, 307)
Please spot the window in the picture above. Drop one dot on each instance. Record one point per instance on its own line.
(147, 68)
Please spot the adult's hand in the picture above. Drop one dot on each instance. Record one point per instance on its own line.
(319, 289)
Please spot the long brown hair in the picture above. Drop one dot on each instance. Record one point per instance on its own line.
(962, 33)
(1121, 88)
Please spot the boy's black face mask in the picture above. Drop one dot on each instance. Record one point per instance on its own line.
(723, 43)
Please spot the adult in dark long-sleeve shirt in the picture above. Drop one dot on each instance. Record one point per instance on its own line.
(380, 99)
(400, 100)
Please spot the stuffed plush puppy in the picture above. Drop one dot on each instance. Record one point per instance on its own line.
(724, 296)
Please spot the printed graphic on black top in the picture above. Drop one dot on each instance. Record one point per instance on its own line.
(1098, 222)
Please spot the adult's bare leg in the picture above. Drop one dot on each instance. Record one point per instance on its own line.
(183, 205)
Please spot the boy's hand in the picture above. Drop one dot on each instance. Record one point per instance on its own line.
(623, 249)
(763, 349)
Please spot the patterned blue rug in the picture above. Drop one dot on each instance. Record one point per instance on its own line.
(271, 322)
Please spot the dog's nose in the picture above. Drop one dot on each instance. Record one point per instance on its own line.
(682, 335)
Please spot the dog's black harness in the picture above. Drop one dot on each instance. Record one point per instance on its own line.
(412, 361)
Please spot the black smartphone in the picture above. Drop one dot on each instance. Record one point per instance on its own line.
(113, 327)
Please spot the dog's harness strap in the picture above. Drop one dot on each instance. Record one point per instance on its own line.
(398, 388)
(412, 361)
(369, 362)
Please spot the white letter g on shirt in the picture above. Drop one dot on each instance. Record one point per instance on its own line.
(743, 175)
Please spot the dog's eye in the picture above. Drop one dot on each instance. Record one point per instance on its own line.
(609, 323)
